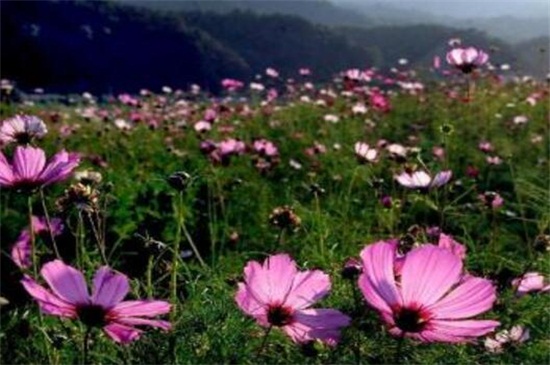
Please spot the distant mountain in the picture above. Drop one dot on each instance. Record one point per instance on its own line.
(315, 11)
(534, 55)
(524, 21)
(98, 46)
(68, 46)
(510, 29)
(284, 42)
(419, 43)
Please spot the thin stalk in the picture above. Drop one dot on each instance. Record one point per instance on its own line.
(49, 224)
(281, 237)
(150, 277)
(264, 341)
(321, 232)
(175, 254)
(85, 345)
(33, 238)
(80, 239)
(99, 244)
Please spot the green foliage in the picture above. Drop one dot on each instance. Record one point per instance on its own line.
(337, 200)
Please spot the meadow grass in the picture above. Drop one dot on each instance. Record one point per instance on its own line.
(224, 211)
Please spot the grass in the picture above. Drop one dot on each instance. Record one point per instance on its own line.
(225, 211)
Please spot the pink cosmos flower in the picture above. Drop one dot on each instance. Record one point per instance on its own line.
(447, 242)
(304, 71)
(68, 297)
(421, 180)
(29, 169)
(231, 84)
(231, 146)
(202, 126)
(467, 59)
(22, 129)
(520, 119)
(364, 153)
(21, 250)
(271, 72)
(485, 146)
(491, 199)
(379, 102)
(493, 160)
(530, 282)
(265, 148)
(515, 336)
(436, 62)
(431, 300)
(277, 294)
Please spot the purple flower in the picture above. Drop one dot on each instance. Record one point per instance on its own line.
(22, 129)
(30, 170)
(276, 294)
(421, 180)
(430, 299)
(68, 297)
(467, 59)
(21, 250)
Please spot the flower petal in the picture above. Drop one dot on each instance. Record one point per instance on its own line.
(109, 288)
(377, 282)
(280, 271)
(320, 324)
(140, 308)
(462, 329)
(121, 333)
(21, 251)
(472, 297)
(428, 273)
(66, 282)
(308, 287)
(133, 321)
(60, 167)
(28, 163)
(6, 172)
(49, 303)
(248, 304)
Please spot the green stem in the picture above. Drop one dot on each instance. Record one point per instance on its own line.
(150, 277)
(264, 341)
(99, 244)
(33, 238)
(49, 224)
(176, 253)
(85, 345)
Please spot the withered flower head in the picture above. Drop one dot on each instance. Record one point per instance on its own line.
(285, 218)
(82, 197)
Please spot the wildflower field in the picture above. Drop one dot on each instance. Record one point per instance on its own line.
(397, 217)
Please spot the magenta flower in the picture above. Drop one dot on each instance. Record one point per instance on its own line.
(29, 169)
(447, 242)
(379, 102)
(22, 129)
(421, 180)
(491, 199)
(68, 297)
(277, 294)
(232, 84)
(430, 300)
(21, 251)
(265, 148)
(467, 59)
(530, 282)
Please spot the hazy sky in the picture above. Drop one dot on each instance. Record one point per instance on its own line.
(469, 8)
